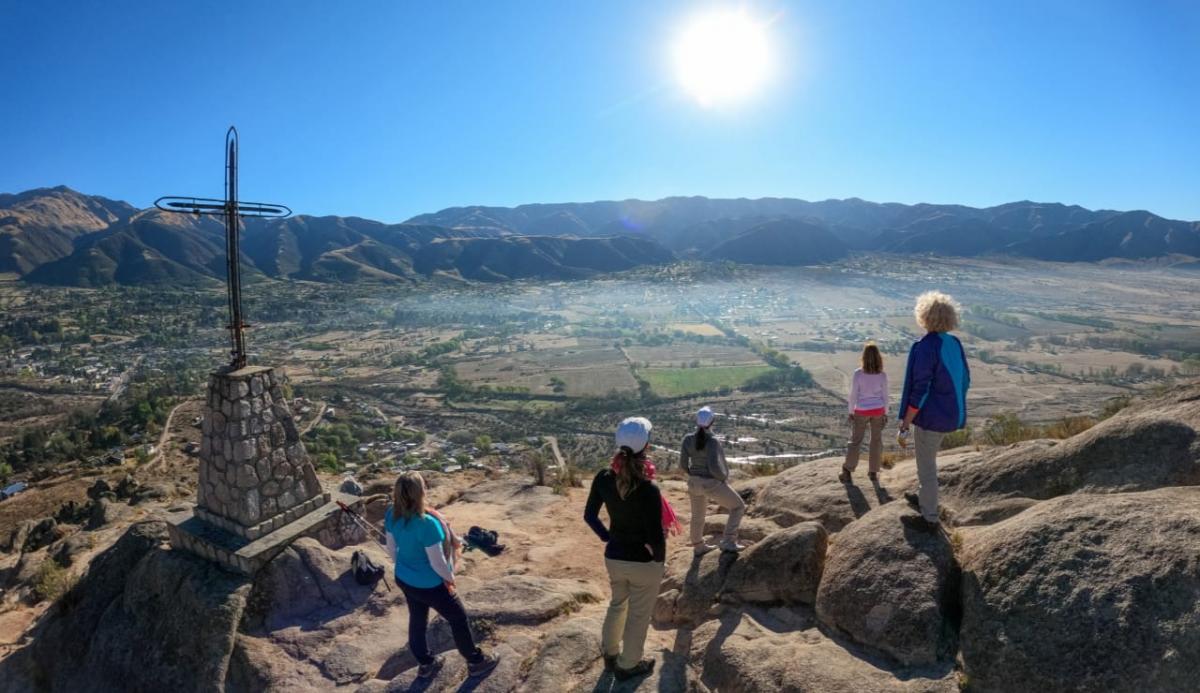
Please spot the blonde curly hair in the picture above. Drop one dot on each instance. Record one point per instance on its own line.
(936, 312)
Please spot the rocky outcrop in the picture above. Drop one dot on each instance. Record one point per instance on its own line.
(892, 588)
(112, 622)
(758, 651)
(751, 528)
(528, 599)
(783, 568)
(1086, 593)
(811, 492)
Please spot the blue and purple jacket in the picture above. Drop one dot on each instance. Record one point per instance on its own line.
(936, 383)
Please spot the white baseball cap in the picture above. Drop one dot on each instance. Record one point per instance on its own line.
(634, 433)
(704, 417)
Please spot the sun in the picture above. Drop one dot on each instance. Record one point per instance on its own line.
(722, 56)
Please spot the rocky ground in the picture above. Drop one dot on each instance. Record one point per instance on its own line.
(1063, 566)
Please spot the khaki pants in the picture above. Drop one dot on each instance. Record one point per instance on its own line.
(927, 444)
(634, 591)
(857, 432)
(700, 491)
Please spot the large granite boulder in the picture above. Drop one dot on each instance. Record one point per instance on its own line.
(811, 492)
(892, 588)
(1086, 593)
(785, 567)
(1153, 444)
(691, 587)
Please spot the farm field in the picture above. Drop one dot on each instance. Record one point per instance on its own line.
(675, 382)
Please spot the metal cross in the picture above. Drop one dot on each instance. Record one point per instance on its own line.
(233, 211)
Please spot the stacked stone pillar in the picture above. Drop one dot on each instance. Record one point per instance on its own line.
(255, 476)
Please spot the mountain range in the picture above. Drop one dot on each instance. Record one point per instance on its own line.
(63, 237)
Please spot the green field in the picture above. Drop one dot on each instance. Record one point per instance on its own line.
(676, 382)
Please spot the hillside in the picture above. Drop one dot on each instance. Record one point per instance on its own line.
(39, 226)
(537, 257)
(58, 236)
(781, 242)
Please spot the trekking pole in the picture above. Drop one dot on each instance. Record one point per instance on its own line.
(358, 520)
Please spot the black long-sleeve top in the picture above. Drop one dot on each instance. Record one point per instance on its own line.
(635, 521)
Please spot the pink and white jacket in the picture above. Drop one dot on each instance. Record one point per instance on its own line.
(868, 393)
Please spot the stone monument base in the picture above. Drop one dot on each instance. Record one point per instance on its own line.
(189, 531)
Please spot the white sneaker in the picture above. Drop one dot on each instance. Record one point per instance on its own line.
(702, 548)
(732, 546)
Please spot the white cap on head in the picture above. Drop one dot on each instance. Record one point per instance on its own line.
(704, 417)
(634, 433)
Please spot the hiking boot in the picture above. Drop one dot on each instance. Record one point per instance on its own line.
(428, 671)
(483, 666)
(642, 668)
(844, 476)
(920, 524)
(702, 548)
(732, 546)
(913, 499)
(610, 662)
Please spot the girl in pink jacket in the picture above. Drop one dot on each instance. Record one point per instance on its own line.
(868, 404)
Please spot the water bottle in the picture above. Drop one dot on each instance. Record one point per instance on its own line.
(902, 438)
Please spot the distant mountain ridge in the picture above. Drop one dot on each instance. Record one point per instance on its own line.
(60, 236)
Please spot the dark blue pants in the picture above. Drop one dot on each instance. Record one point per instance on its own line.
(420, 601)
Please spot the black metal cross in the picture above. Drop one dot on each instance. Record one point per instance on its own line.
(233, 211)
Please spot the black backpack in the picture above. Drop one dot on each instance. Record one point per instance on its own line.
(366, 572)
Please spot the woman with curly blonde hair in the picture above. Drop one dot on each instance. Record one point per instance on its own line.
(934, 398)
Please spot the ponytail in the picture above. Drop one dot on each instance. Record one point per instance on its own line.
(630, 468)
(701, 437)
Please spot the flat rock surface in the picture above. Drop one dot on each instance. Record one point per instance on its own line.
(761, 651)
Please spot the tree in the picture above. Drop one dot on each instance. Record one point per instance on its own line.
(484, 443)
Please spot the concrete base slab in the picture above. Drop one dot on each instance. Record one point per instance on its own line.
(189, 532)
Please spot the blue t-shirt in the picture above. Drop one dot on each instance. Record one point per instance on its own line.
(411, 537)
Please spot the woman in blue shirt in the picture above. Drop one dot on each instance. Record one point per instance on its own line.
(934, 398)
(425, 573)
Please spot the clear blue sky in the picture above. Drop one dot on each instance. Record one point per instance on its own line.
(389, 109)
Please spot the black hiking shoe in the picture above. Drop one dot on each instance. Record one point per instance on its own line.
(428, 671)
(920, 524)
(483, 666)
(913, 499)
(844, 476)
(642, 668)
(610, 662)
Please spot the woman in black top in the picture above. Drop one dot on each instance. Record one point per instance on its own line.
(636, 546)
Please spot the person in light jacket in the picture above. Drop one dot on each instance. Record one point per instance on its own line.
(934, 398)
(868, 403)
(701, 456)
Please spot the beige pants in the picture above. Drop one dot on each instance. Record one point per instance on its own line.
(857, 432)
(927, 444)
(634, 591)
(700, 491)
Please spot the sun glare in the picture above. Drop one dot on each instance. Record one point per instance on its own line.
(722, 57)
